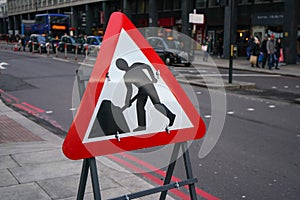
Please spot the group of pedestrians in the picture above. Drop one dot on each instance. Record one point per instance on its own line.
(269, 52)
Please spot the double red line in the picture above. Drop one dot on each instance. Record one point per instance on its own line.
(14, 101)
(129, 161)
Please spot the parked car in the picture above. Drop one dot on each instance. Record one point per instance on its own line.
(36, 41)
(70, 43)
(93, 44)
(170, 50)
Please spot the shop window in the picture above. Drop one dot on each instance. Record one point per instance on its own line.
(201, 3)
(168, 4)
(214, 3)
(177, 4)
(160, 5)
(262, 1)
(133, 6)
(143, 6)
(242, 2)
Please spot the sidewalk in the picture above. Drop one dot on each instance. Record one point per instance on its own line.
(215, 82)
(33, 167)
(241, 63)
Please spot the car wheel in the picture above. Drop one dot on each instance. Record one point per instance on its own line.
(168, 61)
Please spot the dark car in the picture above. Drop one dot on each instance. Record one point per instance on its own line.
(38, 41)
(170, 51)
(70, 44)
(93, 44)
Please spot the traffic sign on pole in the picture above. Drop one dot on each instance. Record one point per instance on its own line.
(131, 101)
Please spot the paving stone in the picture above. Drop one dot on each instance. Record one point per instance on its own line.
(6, 178)
(29, 191)
(7, 162)
(44, 156)
(45, 171)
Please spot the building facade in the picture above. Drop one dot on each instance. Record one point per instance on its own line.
(3, 17)
(250, 17)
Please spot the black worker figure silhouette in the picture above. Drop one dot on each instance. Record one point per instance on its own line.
(135, 76)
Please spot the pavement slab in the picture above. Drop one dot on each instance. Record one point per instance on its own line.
(6, 178)
(23, 191)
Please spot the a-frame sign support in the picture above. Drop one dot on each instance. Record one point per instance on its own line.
(90, 163)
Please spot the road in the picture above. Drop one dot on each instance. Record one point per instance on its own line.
(256, 156)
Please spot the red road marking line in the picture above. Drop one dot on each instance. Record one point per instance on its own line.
(8, 97)
(33, 107)
(163, 173)
(147, 175)
(24, 108)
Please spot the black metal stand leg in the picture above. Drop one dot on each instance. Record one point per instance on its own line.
(83, 179)
(188, 167)
(89, 163)
(95, 181)
(170, 170)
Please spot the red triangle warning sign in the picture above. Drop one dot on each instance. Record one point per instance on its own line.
(131, 101)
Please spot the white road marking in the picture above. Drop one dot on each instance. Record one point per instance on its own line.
(250, 109)
(272, 106)
(1, 65)
(230, 112)
(207, 116)
(49, 112)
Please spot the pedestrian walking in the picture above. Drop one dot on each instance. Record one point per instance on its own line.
(271, 52)
(205, 49)
(135, 76)
(278, 49)
(255, 52)
(264, 52)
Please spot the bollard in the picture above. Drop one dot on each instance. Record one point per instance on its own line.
(16, 47)
(40, 48)
(76, 52)
(26, 47)
(32, 47)
(86, 50)
(56, 50)
(48, 48)
(66, 56)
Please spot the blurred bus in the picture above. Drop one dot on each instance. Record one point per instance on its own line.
(51, 24)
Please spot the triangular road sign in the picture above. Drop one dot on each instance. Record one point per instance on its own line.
(131, 101)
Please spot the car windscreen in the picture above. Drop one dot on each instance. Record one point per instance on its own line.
(41, 39)
(173, 44)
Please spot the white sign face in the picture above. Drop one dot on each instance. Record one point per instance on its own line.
(196, 18)
(115, 90)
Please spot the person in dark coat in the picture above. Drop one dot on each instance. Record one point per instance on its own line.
(255, 50)
(264, 51)
(277, 52)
